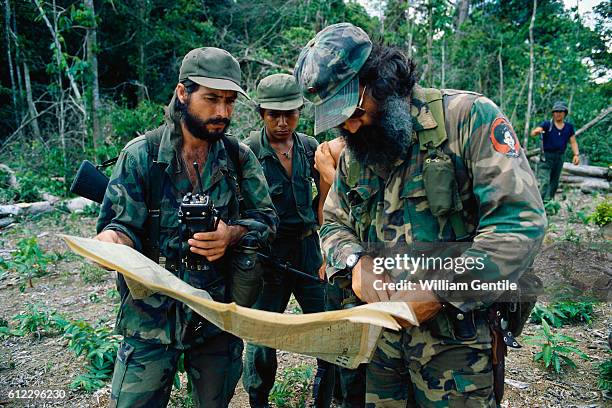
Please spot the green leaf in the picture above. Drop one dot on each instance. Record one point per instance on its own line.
(547, 353)
(557, 363)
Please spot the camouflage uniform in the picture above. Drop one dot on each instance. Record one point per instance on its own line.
(296, 241)
(157, 328)
(447, 360)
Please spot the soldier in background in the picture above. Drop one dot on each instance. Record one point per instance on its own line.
(555, 134)
(154, 172)
(287, 158)
(483, 191)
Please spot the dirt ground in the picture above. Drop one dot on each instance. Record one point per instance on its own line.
(574, 255)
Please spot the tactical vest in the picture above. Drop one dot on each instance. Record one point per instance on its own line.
(441, 185)
(439, 179)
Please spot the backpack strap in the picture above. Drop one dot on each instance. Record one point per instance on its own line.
(432, 140)
(254, 142)
(156, 172)
(232, 145)
(310, 148)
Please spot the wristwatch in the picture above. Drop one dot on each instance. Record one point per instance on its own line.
(352, 260)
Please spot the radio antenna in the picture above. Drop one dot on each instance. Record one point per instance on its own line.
(198, 179)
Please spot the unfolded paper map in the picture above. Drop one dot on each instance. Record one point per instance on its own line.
(343, 337)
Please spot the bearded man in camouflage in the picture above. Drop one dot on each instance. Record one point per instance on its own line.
(398, 135)
(140, 209)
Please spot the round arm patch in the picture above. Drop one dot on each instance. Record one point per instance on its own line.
(504, 139)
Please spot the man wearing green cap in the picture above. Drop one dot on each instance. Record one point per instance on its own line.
(426, 174)
(287, 158)
(190, 153)
(555, 134)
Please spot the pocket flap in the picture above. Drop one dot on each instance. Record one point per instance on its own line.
(472, 382)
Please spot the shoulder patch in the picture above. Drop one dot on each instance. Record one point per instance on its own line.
(504, 138)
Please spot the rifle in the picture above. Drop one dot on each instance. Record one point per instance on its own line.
(278, 264)
(90, 182)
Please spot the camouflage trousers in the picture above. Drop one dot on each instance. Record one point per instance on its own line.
(144, 372)
(548, 174)
(415, 368)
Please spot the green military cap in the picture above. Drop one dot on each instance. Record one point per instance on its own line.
(212, 67)
(327, 71)
(279, 92)
(560, 107)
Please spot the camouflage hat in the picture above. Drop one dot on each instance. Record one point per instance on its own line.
(212, 67)
(279, 92)
(327, 72)
(560, 107)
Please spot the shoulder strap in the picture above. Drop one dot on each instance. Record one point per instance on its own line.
(310, 156)
(232, 146)
(432, 140)
(253, 142)
(156, 171)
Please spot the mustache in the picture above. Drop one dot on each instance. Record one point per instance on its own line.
(216, 121)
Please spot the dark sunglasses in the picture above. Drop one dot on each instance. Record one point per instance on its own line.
(359, 111)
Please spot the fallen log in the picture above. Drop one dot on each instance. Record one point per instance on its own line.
(21, 209)
(587, 171)
(586, 184)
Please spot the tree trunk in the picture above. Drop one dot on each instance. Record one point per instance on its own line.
(410, 27)
(31, 106)
(17, 68)
(58, 51)
(9, 54)
(429, 68)
(463, 7)
(595, 121)
(531, 69)
(141, 39)
(501, 79)
(443, 71)
(92, 58)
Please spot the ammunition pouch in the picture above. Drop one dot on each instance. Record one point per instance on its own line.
(246, 279)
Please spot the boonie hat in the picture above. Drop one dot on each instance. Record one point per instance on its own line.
(326, 70)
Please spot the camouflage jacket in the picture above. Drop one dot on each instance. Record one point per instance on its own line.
(291, 195)
(502, 208)
(158, 318)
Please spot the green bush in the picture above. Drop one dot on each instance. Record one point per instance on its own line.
(29, 261)
(563, 312)
(291, 388)
(555, 350)
(552, 207)
(127, 123)
(605, 376)
(602, 215)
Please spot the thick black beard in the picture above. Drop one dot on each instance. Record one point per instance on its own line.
(382, 143)
(197, 126)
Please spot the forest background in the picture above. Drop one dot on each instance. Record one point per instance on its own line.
(79, 79)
